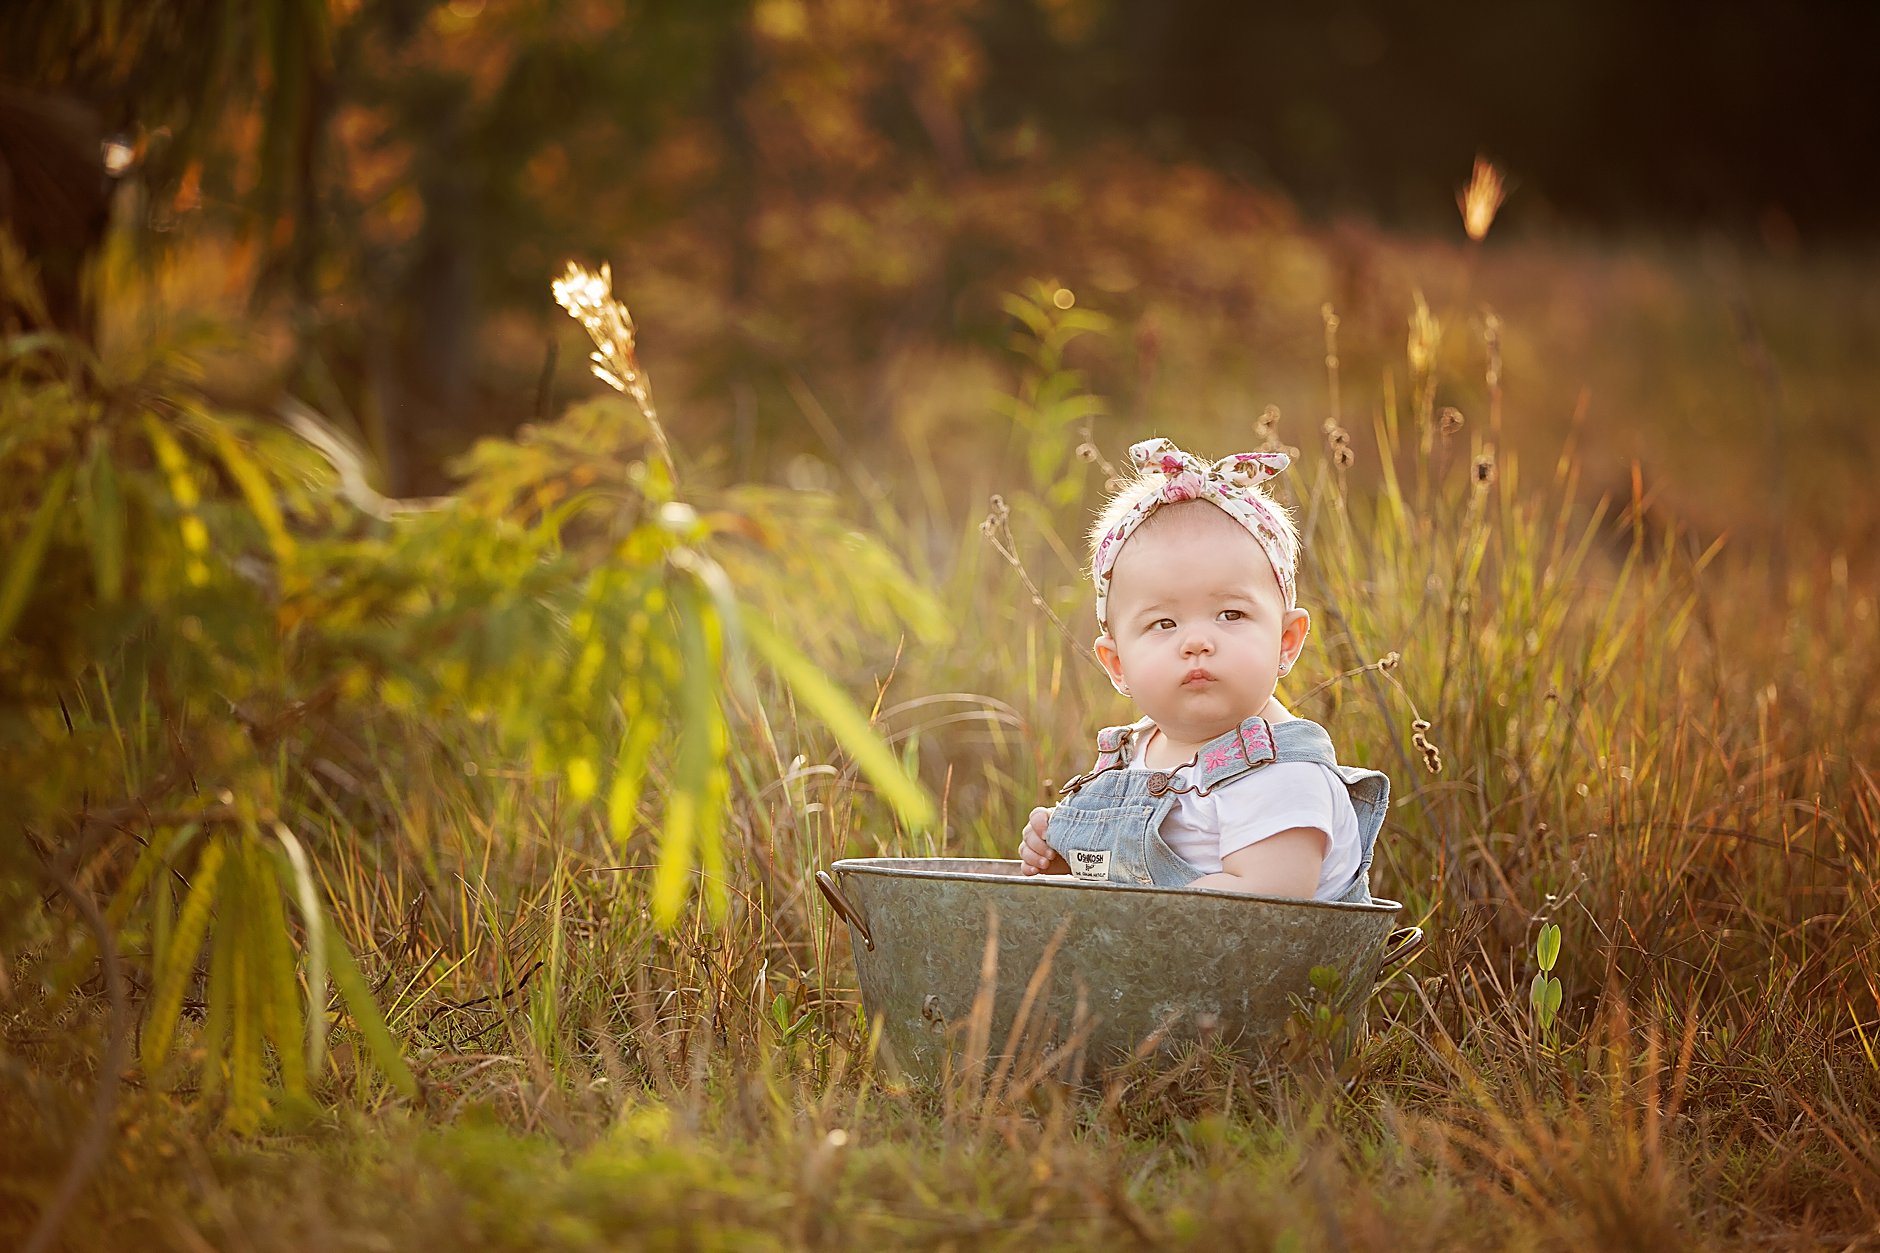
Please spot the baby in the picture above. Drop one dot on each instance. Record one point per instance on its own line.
(1217, 786)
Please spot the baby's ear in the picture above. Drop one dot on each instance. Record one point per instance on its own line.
(1293, 629)
(1112, 662)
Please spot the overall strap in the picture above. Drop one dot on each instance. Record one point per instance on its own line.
(1255, 743)
(1302, 739)
(1112, 749)
(1110, 742)
(1228, 756)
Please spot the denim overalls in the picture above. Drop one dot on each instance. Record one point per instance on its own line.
(1108, 826)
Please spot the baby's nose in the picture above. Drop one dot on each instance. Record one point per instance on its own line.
(1197, 642)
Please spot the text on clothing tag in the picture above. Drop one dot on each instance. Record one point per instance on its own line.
(1089, 863)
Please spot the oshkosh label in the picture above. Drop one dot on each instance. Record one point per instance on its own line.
(1088, 863)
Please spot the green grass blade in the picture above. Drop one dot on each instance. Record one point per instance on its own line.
(247, 1021)
(154, 855)
(366, 1017)
(188, 498)
(845, 721)
(220, 1000)
(104, 524)
(17, 584)
(279, 990)
(179, 958)
(253, 483)
(313, 918)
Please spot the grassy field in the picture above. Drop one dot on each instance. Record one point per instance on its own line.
(1587, 539)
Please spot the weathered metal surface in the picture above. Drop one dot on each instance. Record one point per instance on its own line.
(1129, 963)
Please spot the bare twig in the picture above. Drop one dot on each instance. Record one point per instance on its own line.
(997, 528)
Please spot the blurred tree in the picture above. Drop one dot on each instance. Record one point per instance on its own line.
(404, 163)
(474, 146)
(54, 197)
(87, 87)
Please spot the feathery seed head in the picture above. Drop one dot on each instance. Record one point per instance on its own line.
(1480, 200)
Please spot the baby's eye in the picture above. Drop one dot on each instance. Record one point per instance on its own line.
(1232, 615)
(1162, 624)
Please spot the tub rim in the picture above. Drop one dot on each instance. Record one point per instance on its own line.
(911, 867)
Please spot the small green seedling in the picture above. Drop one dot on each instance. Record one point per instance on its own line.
(1326, 980)
(1314, 1024)
(788, 1032)
(1544, 994)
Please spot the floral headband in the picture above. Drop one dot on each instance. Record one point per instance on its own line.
(1231, 483)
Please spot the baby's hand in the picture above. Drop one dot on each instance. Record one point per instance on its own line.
(1038, 856)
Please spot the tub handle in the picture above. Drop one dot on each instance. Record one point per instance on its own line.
(846, 911)
(1399, 947)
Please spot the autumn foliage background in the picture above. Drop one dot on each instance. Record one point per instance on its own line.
(416, 754)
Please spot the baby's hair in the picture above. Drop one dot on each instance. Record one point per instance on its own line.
(1143, 483)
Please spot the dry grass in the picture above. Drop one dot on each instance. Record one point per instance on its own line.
(1599, 719)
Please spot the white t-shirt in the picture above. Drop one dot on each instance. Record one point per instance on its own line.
(1274, 798)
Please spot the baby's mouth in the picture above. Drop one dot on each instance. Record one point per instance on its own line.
(1197, 676)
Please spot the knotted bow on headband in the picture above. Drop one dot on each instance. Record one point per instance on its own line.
(1229, 483)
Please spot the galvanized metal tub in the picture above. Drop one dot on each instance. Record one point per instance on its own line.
(965, 962)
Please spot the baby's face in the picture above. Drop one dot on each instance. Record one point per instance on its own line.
(1199, 632)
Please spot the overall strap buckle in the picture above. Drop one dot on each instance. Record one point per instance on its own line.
(1112, 743)
(1228, 756)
